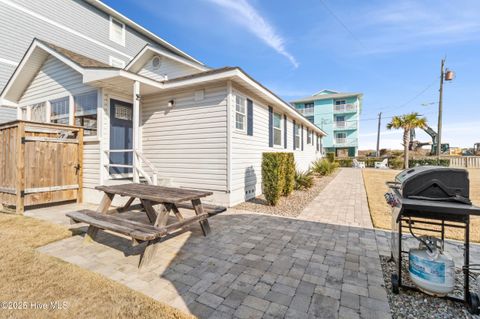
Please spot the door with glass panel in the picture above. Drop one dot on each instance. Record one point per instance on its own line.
(121, 136)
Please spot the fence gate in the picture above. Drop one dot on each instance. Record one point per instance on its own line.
(39, 164)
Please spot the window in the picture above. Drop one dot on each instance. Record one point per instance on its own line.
(123, 112)
(59, 111)
(340, 102)
(341, 137)
(116, 62)
(297, 136)
(309, 137)
(240, 113)
(86, 112)
(277, 129)
(340, 122)
(38, 113)
(117, 31)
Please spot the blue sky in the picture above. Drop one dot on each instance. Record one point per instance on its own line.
(389, 50)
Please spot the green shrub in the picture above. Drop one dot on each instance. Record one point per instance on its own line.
(395, 162)
(429, 161)
(344, 162)
(303, 180)
(289, 174)
(324, 167)
(278, 175)
(330, 156)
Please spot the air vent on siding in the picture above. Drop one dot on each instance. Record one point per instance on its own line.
(156, 62)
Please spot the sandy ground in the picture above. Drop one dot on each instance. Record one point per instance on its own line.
(31, 280)
(380, 211)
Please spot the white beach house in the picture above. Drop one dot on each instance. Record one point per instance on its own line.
(162, 116)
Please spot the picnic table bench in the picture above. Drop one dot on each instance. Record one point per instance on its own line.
(158, 202)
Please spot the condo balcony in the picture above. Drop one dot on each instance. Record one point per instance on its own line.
(306, 112)
(345, 125)
(345, 108)
(345, 142)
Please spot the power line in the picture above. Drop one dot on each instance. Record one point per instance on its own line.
(411, 99)
(342, 24)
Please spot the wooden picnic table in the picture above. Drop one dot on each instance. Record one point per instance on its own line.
(165, 198)
(157, 201)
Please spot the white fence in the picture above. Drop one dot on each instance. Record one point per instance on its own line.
(464, 161)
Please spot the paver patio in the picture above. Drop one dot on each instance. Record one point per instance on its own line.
(342, 202)
(251, 266)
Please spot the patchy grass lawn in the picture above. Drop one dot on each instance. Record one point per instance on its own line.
(380, 211)
(29, 276)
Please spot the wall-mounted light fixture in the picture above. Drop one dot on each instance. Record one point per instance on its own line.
(171, 103)
(139, 97)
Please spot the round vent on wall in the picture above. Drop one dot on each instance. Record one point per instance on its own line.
(156, 62)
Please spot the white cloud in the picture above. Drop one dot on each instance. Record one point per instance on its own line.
(247, 16)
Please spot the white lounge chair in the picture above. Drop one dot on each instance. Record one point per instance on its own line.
(357, 164)
(382, 164)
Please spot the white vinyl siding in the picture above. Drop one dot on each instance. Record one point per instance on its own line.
(167, 67)
(187, 143)
(247, 152)
(91, 164)
(54, 80)
(7, 114)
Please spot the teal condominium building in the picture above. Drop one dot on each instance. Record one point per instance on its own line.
(338, 114)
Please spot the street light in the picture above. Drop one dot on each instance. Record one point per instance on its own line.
(446, 75)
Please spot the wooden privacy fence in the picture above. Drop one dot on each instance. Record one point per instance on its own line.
(39, 163)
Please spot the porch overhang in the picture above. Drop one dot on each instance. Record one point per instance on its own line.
(123, 80)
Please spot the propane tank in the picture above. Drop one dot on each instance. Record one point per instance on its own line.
(430, 269)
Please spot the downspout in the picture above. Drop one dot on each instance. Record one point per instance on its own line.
(229, 138)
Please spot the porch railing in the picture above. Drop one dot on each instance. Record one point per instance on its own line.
(137, 166)
(345, 108)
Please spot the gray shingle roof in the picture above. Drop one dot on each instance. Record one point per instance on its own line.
(81, 60)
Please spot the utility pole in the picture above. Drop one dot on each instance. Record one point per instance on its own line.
(440, 109)
(378, 133)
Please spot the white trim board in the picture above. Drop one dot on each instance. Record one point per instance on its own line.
(5, 61)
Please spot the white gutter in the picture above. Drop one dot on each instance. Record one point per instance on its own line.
(98, 74)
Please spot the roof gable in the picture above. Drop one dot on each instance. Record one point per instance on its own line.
(326, 92)
(148, 52)
(33, 60)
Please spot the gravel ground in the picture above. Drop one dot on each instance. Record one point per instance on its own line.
(412, 304)
(290, 206)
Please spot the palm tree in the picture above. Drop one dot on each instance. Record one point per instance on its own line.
(407, 122)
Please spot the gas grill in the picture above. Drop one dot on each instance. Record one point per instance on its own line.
(431, 198)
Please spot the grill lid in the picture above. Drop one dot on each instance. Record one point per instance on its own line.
(435, 183)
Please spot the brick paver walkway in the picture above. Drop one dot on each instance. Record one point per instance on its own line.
(251, 266)
(342, 202)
